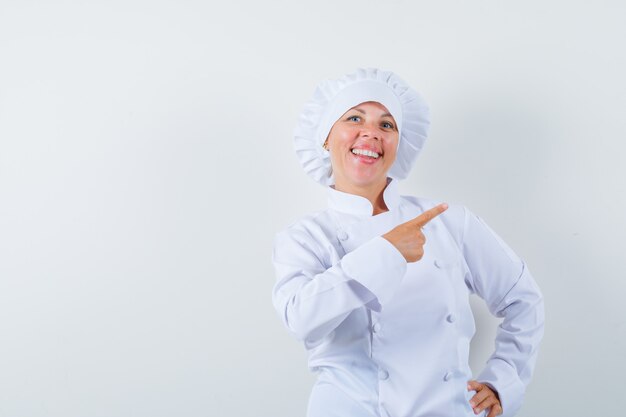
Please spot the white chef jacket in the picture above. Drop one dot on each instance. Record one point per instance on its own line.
(390, 338)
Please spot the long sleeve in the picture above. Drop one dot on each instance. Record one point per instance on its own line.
(313, 298)
(503, 280)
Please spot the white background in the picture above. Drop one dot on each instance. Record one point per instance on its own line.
(146, 163)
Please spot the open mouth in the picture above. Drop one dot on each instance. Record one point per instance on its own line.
(366, 153)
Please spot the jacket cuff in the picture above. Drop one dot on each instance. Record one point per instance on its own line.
(501, 377)
(378, 266)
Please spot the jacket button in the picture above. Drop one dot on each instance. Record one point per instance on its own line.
(382, 374)
(376, 327)
(447, 376)
(451, 318)
(342, 235)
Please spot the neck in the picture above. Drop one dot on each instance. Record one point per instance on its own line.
(373, 192)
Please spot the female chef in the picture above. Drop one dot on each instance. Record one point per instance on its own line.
(377, 285)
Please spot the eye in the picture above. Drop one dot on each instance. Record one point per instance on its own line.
(388, 125)
(354, 118)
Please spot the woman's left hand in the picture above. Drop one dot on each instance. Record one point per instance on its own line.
(484, 398)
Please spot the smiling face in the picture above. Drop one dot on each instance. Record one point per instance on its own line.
(363, 145)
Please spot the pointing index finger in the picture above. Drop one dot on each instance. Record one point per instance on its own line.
(428, 215)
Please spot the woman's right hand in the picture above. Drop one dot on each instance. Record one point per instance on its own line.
(408, 237)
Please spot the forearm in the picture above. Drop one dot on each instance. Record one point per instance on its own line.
(510, 367)
(312, 301)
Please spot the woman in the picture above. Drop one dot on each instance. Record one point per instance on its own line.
(377, 286)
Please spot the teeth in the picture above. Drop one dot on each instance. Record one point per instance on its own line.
(365, 152)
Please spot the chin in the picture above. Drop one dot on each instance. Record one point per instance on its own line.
(360, 180)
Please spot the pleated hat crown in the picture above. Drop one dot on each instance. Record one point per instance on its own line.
(332, 98)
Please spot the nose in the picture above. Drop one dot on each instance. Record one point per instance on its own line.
(370, 130)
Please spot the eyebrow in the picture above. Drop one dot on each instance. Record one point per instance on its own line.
(362, 112)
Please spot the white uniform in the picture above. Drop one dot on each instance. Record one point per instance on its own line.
(390, 338)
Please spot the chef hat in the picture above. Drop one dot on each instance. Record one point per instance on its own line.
(332, 98)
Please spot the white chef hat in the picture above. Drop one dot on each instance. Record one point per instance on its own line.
(332, 98)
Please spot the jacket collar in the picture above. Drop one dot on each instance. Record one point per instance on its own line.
(361, 206)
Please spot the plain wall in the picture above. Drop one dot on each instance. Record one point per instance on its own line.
(146, 162)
